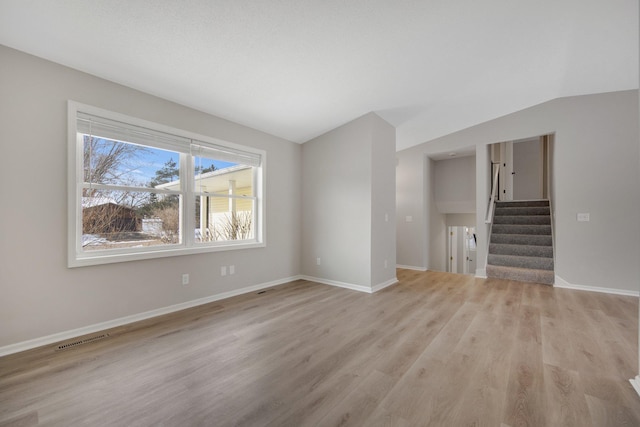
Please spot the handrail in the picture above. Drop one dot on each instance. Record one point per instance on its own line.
(492, 200)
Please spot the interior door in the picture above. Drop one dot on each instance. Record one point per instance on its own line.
(528, 170)
(461, 250)
(470, 244)
(506, 171)
(453, 250)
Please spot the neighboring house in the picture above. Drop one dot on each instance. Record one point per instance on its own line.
(221, 202)
(104, 215)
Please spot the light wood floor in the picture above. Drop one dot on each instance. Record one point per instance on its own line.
(436, 349)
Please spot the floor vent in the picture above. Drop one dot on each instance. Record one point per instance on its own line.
(83, 341)
(261, 292)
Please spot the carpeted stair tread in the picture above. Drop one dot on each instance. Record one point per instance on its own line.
(523, 219)
(510, 211)
(521, 229)
(523, 203)
(533, 262)
(544, 251)
(546, 277)
(522, 239)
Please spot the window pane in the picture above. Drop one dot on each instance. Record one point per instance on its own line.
(220, 177)
(126, 164)
(126, 219)
(220, 219)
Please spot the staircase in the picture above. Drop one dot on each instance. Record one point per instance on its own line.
(520, 246)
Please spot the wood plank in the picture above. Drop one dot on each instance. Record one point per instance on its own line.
(566, 402)
(26, 420)
(557, 344)
(524, 400)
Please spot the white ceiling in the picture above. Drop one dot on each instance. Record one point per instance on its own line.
(298, 68)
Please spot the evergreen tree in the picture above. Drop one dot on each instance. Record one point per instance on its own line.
(169, 172)
(209, 169)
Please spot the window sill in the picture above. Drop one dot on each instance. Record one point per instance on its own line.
(86, 260)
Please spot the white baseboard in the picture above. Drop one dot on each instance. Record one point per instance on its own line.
(410, 267)
(561, 283)
(359, 288)
(386, 284)
(61, 336)
(481, 273)
(635, 382)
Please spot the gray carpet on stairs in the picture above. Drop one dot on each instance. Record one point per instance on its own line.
(521, 245)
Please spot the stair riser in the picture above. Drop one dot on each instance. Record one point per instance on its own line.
(520, 239)
(521, 250)
(534, 263)
(521, 229)
(536, 276)
(523, 219)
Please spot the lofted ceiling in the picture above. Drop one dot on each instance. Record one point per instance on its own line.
(298, 68)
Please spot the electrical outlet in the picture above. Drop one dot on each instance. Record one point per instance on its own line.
(185, 279)
(386, 263)
(223, 270)
(232, 269)
(318, 261)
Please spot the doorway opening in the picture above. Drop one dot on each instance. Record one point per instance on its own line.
(525, 172)
(461, 249)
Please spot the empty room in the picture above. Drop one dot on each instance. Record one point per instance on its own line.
(286, 213)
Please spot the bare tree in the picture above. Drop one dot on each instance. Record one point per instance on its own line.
(109, 162)
(170, 217)
(234, 226)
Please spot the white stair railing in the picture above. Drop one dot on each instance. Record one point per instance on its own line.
(492, 200)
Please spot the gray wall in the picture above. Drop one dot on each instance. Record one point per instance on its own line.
(383, 202)
(437, 225)
(455, 185)
(411, 175)
(594, 169)
(348, 187)
(461, 219)
(40, 295)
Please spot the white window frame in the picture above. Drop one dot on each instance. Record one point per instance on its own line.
(77, 257)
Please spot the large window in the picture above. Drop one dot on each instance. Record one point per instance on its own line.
(142, 190)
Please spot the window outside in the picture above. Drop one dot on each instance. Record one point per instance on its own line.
(144, 192)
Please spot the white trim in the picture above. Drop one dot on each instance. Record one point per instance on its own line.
(410, 267)
(635, 382)
(561, 283)
(383, 285)
(359, 288)
(86, 261)
(61, 336)
(481, 273)
(77, 257)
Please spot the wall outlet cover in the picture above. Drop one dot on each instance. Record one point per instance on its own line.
(583, 217)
